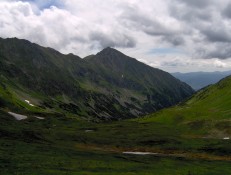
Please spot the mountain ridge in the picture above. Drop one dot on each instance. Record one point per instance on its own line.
(198, 80)
(108, 85)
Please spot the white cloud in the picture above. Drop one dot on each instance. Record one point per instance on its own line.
(219, 64)
(201, 30)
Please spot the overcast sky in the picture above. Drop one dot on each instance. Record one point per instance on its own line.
(173, 35)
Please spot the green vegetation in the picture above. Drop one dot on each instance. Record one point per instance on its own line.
(49, 160)
(61, 145)
(207, 112)
(186, 144)
(192, 138)
(100, 87)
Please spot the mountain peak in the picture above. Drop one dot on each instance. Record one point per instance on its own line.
(118, 86)
(110, 51)
(112, 57)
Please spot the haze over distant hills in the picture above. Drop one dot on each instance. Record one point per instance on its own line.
(104, 86)
(198, 80)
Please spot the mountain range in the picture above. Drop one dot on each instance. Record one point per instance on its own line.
(46, 97)
(198, 80)
(192, 137)
(105, 86)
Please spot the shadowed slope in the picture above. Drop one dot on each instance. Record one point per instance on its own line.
(109, 85)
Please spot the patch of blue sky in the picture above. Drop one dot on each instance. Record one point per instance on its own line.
(165, 51)
(45, 4)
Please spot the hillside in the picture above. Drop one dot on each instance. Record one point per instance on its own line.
(108, 85)
(206, 113)
(191, 138)
(199, 80)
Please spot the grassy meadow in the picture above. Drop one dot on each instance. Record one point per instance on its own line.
(192, 138)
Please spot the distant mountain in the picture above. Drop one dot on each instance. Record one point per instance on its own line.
(198, 80)
(108, 85)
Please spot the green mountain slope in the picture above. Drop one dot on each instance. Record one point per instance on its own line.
(207, 112)
(191, 138)
(109, 85)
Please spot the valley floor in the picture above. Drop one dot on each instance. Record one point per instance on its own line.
(58, 145)
(26, 158)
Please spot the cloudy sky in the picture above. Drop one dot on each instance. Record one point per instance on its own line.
(173, 35)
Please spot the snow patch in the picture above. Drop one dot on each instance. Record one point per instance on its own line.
(28, 102)
(18, 116)
(88, 130)
(226, 138)
(40, 118)
(140, 153)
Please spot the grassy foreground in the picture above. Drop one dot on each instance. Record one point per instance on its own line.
(33, 158)
(58, 145)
